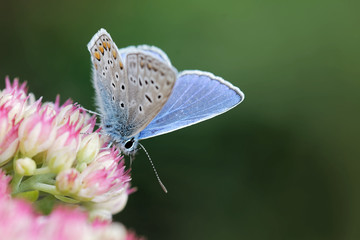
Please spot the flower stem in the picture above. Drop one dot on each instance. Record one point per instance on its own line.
(42, 170)
(46, 188)
(30, 183)
(15, 182)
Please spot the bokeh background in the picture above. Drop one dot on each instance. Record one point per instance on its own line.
(284, 164)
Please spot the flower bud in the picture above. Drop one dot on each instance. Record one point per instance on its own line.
(114, 205)
(25, 166)
(68, 181)
(74, 115)
(89, 148)
(15, 102)
(37, 132)
(9, 142)
(62, 154)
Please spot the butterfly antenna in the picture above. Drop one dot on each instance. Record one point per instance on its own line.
(156, 174)
(87, 110)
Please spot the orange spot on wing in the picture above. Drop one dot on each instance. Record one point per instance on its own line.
(105, 45)
(97, 55)
(121, 65)
(101, 49)
(114, 54)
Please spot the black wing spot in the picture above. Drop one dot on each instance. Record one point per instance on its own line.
(122, 87)
(122, 105)
(148, 98)
(113, 84)
(132, 79)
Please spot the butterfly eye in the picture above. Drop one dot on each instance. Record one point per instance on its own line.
(129, 144)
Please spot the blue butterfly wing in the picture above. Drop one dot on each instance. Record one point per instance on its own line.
(196, 96)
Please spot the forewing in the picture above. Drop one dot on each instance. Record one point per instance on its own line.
(109, 77)
(196, 96)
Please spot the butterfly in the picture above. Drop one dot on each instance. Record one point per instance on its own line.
(139, 94)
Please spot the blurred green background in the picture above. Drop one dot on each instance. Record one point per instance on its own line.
(284, 164)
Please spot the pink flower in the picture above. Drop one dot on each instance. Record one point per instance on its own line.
(4, 185)
(16, 216)
(9, 140)
(68, 182)
(62, 154)
(104, 177)
(55, 151)
(64, 223)
(72, 114)
(104, 184)
(15, 87)
(14, 98)
(37, 132)
(19, 221)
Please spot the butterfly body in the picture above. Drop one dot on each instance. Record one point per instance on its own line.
(140, 94)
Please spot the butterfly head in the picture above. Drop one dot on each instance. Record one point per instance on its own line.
(128, 146)
(119, 135)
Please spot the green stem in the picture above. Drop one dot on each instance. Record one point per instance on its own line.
(46, 188)
(17, 178)
(29, 183)
(42, 170)
(15, 182)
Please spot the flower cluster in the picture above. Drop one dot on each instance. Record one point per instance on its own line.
(53, 150)
(19, 221)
